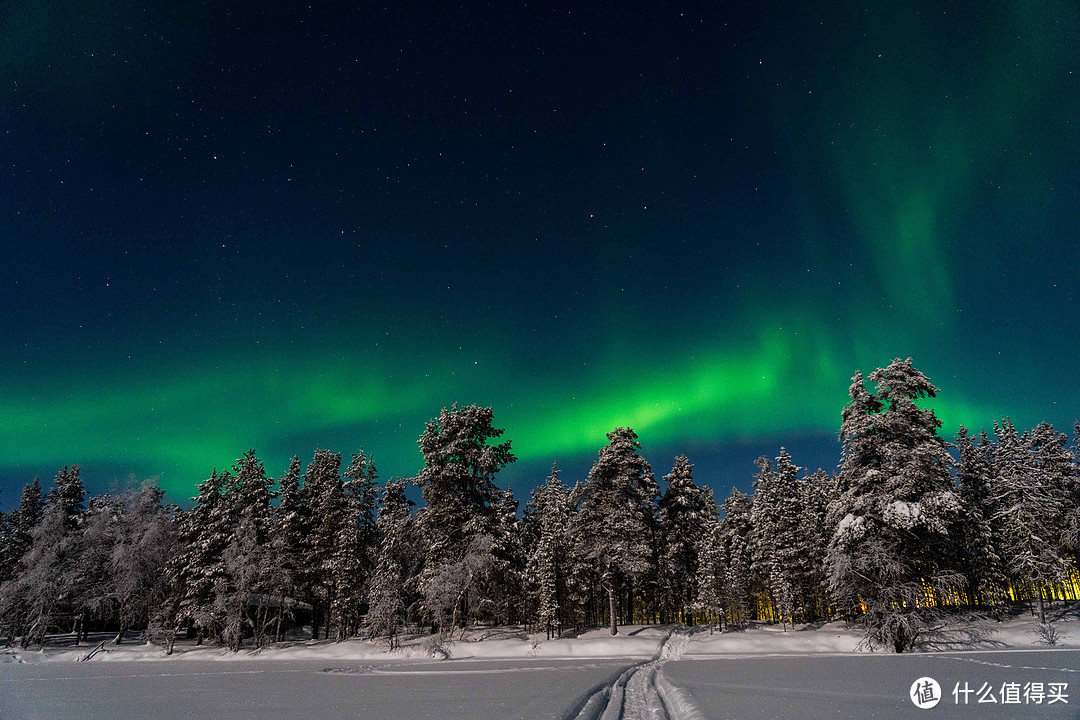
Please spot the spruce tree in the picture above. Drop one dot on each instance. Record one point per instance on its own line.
(711, 576)
(615, 521)
(506, 589)
(247, 505)
(736, 532)
(1070, 534)
(457, 479)
(34, 600)
(777, 540)
(1030, 506)
(324, 513)
(285, 562)
(46, 587)
(818, 491)
(397, 551)
(235, 589)
(8, 556)
(686, 512)
(547, 562)
(20, 527)
(892, 551)
(354, 552)
(459, 520)
(31, 509)
(204, 532)
(68, 495)
(981, 559)
(249, 491)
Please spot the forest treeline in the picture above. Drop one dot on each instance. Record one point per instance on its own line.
(902, 533)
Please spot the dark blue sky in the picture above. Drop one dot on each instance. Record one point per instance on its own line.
(237, 225)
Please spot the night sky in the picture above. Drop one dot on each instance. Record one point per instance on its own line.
(259, 225)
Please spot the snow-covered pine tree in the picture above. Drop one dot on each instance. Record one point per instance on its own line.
(68, 493)
(249, 490)
(324, 513)
(354, 553)
(1070, 534)
(818, 490)
(711, 576)
(285, 560)
(765, 506)
(736, 531)
(457, 479)
(458, 520)
(17, 542)
(505, 592)
(234, 592)
(615, 521)
(246, 503)
(30, 602)
(20, 527)
(204, 532)
(583, 589)
(981, 561)
(44, 589)
(686, 512)
(1030, 506)
(31, 510)
(896, 518)
(397, 556)
(1056, 461)
(777, 539)
(774, 519)
(549, 511)
(8, 558)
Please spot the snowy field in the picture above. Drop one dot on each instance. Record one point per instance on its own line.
(290, 689)
(644, 672)
(876, 686)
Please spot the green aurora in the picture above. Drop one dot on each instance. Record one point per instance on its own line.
(703, 237)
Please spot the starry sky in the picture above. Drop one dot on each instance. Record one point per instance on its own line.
(265, 225)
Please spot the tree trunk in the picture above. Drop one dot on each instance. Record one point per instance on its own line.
(613, 609)
(261, 624)
(1042, 607)
(900, 640)
(328, 614)
(280, 612)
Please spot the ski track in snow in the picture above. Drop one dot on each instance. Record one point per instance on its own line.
(420, 670)
(119, 675)
(643, 692)
(1015, 667)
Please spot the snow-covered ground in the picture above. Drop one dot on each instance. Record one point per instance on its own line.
(632, 642)
(643, 672)
(1017, 633)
